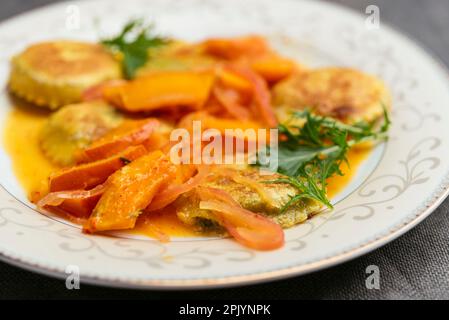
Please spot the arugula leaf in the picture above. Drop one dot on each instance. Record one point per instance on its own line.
(315, 151)
(133, 43)
(290, 161)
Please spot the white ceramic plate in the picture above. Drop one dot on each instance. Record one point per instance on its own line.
(397, 187)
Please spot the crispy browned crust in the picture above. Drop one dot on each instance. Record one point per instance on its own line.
(279, 194)
(343, 93)
(53, 74)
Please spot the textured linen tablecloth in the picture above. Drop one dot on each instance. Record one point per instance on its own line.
(415, 266)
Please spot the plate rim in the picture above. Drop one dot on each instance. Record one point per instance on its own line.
(441, 192)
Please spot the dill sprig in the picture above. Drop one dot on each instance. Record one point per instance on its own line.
(133, 43)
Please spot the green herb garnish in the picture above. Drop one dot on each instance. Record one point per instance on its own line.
(313, 152)
(133, 43)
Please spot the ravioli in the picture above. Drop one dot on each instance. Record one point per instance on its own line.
(74, 127)
(342, 93)
(253, 192)
(53, 74)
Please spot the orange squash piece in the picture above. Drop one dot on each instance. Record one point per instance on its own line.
(223, 124)
(157, 141)
(273, 69)
(236, 48)
(129, 191)
(234, 81)
(128, 134)
(81, 208)
(88, 175)
(96, 92)
(162, 90)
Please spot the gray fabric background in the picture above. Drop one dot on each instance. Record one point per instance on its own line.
(415, 266)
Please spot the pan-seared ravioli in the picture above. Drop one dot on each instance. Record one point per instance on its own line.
(254, 192)
(74, 127)
(53, 74)
(343, 93)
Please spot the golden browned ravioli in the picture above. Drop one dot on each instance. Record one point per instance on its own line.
(74, 127)
(343, 93)
(53, 74)
(254, 192)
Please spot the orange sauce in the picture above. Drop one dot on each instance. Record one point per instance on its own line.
(32, 169)
(337, 183)
(21, 141)
(165, 221)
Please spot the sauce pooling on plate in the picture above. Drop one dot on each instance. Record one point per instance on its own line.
(32, 169)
